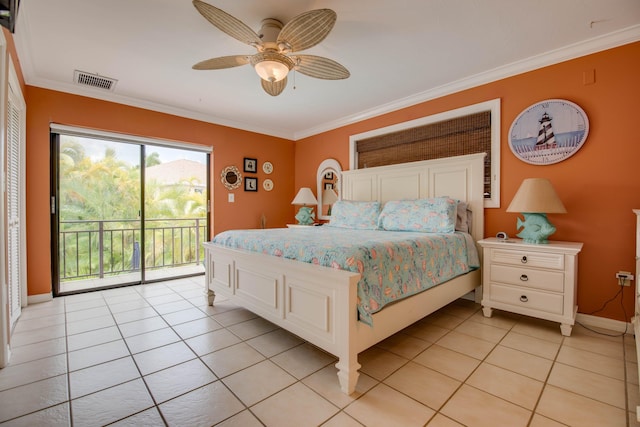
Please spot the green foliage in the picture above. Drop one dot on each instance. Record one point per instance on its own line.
(152, 159)
(100, 212)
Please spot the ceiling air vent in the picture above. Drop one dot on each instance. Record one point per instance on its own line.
(94, 80)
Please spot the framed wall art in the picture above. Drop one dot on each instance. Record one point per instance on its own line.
(251, 184)
(231, 177)
(548, 132)
(250, 165)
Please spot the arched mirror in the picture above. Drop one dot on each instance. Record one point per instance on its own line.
(231, 177)
(328, 178)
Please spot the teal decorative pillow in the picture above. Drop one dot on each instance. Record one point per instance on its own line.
(357, 215)
(433, 215)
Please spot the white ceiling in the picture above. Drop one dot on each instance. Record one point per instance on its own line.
(399, 53)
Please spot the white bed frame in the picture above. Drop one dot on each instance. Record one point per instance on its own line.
(319, 303)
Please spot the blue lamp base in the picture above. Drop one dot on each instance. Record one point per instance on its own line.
(305, 216)
(536, 228)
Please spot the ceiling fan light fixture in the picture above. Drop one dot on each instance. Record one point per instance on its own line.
(274, 44)
(271, 66)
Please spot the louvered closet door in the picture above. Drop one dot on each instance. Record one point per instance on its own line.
(14, 253)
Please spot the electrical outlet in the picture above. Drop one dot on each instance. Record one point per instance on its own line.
(624, 278)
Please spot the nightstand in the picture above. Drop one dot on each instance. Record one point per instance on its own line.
(534, 280)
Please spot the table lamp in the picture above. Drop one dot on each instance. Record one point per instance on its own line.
(305, 215)
(535, 199)
(329, 197)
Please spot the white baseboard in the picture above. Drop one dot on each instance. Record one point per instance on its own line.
(35, 299)
(602, 322)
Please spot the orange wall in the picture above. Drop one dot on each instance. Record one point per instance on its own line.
(230, 147)
(599, 185)
(596, 184)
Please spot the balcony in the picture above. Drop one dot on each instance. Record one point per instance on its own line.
(108, 253)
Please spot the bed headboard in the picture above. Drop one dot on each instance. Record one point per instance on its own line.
(460, 177)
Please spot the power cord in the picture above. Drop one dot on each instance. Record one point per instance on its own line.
(621, 293)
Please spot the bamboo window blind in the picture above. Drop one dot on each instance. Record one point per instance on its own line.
(458, 136)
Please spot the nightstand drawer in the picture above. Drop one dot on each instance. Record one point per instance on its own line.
(531, 278)
(528, 298)
(529, 259)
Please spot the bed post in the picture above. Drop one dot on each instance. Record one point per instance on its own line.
(209, 295)
(208, 275)
(346, 328)
(348, 372)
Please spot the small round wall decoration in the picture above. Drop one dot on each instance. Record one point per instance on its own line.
(548, 132)
(267, 167)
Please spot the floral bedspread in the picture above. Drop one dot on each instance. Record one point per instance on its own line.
(392, 264)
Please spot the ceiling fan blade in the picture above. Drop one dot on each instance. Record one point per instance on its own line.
(227, 23)
(274, 88)
(320, 67)
(307, 29)
(222, 62)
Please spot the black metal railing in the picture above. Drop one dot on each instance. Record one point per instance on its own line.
(95, 249)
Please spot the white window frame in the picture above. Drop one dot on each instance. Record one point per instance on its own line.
(493, 106)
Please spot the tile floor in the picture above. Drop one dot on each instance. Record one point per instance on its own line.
(158, 355)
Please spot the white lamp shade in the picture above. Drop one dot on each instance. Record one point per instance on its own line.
(271, 71)
(536, 195)
(271, 66)
(329, 197)
(305, 197)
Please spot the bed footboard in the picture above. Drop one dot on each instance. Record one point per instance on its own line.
(319, 304)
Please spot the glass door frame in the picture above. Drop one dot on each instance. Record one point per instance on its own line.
(55, 192)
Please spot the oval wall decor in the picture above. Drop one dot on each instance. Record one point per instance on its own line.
(548, 132)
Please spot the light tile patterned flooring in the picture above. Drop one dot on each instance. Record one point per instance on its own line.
(158, 355)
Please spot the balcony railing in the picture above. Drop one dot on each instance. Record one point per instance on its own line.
(97, 249)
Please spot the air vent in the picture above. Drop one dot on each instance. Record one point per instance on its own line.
(94, 80)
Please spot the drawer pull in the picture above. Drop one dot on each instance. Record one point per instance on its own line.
(524, 278)
(524, 259)
(524, 298)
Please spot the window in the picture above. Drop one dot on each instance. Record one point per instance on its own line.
(129, 209)
(467, 130)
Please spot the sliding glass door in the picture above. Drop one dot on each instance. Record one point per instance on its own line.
(125, 213)
(175, 212)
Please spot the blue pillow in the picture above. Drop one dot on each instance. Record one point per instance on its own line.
(432, 215)
(356, 215)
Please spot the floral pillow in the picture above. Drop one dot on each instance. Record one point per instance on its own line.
(432, 215)
(356, 215)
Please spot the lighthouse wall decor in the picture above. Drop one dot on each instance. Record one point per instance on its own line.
(548, 132)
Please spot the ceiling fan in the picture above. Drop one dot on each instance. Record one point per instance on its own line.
(277, 46)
